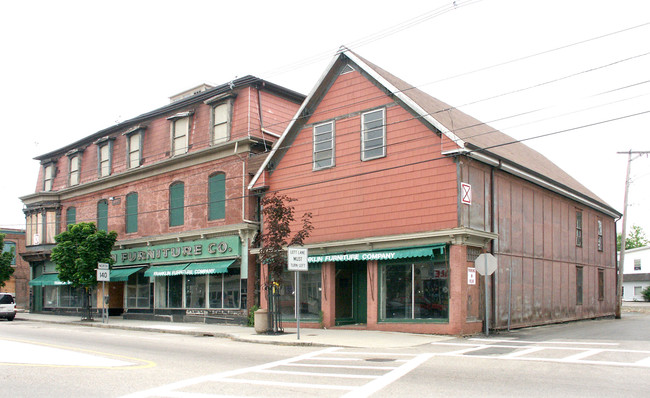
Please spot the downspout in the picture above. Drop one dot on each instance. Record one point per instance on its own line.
(495, 278)
(259, 108)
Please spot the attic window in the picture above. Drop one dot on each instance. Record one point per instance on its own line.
(347, 69)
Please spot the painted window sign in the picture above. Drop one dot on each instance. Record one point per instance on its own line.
(227, 246)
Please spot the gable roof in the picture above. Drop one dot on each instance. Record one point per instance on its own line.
(472, 137)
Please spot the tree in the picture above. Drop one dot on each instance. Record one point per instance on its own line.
(636, 238)
(278, 216)
(6, 270)
(77, 252)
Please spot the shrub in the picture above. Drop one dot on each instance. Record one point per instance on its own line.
(251, 315)
(646, 293)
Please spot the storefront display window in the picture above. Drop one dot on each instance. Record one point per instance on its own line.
(137, 291)
(225, 290)
(310, 293)
(66, 296)
(169, 291)
(195, 291)
(414, 290)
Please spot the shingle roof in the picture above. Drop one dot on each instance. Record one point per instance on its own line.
(473, 137)
(485, 138)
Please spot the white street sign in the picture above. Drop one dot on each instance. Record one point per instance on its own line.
(471, 276)
(297, 259)
(103, 275)
(102, 265)
(480, 263)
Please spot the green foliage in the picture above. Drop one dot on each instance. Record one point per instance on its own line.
(6, 270)
(78, 250)
(251, 315)
(278, 216)
(635, 238)
(646, 293)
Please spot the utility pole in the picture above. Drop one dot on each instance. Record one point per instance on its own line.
(621, 261)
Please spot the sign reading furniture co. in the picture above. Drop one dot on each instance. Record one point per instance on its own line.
(226, 246)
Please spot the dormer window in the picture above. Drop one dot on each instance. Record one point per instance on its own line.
(74, 169)
(49, 172)
(220, 117)
(104, 156)
(180, 132)
(134, 144)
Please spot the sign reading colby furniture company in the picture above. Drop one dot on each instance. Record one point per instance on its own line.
(226, 246)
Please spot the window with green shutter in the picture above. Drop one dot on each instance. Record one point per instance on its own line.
(217, 196)
(102, 215)
(176, 204)
(71, 216)
(132, 212)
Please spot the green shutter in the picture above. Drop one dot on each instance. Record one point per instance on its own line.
(102, 215)
(71, 216)
(176, 204)
(131, 213)
(217, 197)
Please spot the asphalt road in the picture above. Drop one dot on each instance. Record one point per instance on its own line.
(591, 358)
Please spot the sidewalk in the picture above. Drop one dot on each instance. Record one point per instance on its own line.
(308, 337)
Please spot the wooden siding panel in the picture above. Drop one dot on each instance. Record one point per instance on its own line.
(412, 189)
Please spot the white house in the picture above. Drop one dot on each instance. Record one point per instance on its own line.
(636, 273)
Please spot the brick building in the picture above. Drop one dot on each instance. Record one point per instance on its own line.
(406, 191)
(18, 283)
(172, 184)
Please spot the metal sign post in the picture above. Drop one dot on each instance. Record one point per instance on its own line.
(104, 275)
(486, 264)
(297, 261)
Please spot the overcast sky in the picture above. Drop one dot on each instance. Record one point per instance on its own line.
(580, 69)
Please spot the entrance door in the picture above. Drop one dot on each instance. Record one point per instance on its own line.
(351, 293)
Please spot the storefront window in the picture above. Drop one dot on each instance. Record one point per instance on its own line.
(137, 291)
(169, 291)
(310, 293)
(195, 291)
(225, 290)
(414, 290)
(66, 296)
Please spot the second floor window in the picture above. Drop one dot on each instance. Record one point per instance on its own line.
(217, 197)
(70, 216)
(8, 247)
(323, 145)
(600, 235)
(578, 228)
(637, 264)
(176, 204)
(373, 134)
(132, 212)
(102, 215)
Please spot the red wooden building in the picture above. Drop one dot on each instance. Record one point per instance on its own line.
(386, 169)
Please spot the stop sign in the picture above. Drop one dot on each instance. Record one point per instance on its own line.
(485, 264)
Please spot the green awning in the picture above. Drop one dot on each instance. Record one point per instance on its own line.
(216, 267)
(165, 270)
(47, 280)
(122, 274)
(389, 254)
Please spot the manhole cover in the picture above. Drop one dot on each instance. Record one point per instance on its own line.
(380, 360)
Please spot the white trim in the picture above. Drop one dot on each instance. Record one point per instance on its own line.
(278, 143)
(407, 100)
